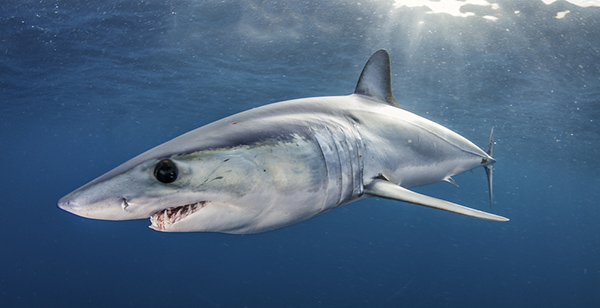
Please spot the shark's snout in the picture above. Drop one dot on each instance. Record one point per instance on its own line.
(109, 208)
(75, 206)
(67, 204)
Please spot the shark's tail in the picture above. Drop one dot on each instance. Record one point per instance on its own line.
(488, 168)
(381, 187)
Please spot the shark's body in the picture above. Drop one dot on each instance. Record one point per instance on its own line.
(284, 163)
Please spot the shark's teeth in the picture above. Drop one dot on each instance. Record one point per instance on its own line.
(169, 216)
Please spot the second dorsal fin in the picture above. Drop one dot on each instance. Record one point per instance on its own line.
(376, 80)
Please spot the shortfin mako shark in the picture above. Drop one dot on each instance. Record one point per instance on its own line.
(284, 163)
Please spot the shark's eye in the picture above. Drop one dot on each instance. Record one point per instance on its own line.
(166, 171)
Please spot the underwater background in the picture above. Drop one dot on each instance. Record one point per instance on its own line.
(86, 85)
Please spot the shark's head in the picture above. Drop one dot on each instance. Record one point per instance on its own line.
(182, 192)
(223, 177)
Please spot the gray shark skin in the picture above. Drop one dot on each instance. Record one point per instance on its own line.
(284, 163)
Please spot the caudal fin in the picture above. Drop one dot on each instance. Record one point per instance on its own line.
(489, 168)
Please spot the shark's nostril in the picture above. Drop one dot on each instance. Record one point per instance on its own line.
(124, 204)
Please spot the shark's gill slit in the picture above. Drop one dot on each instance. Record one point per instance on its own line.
(172, 215)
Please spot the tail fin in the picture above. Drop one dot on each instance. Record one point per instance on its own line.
(488, 168)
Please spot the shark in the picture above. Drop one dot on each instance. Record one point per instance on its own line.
(286, 162)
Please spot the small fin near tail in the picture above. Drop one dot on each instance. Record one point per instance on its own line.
(384, 189)
(488, 168)
(451, 181)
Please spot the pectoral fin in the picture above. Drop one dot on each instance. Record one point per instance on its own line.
(384, 189)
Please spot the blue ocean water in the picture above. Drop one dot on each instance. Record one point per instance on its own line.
(86, 85)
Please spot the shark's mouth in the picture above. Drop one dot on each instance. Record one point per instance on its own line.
(161, 220)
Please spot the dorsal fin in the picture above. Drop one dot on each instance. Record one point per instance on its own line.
(376, 80)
